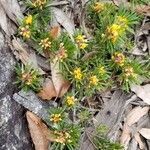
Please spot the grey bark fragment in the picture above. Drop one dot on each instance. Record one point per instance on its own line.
(30, 101)
(86, 140)
(112, 113)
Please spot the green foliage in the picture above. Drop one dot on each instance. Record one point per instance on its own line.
(28, 78)
(67, 133)
(112, 26)
(90, 64)
(102, 142)
(84, 115)
(144, 2)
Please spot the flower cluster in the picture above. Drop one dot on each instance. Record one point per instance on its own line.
(62, 137)
(25, 32)
(45, 43)
(101, 70)
(55, 118)
(81, 41)
(118, 58)
(98, 7)
(113, 32)
(117, 29)
(28, 78)
(129, 72)
(39, 3)
(65, 132)
(93, 80)
(28, 20)
(25, 29)
(70, 101)
(77, 73)
(122, 21)
(62, 53)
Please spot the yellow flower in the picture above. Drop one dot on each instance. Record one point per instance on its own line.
(39, 3)
(77, 74)
(28, 78)
(102, 70)
(81, 41)
(113, 32)
(55, 118)
(28, 20)
(98, 7)
(70, 101)
(93, 80)
(122, 21)
(129, 72)
(25, 32)
(62, 53)
(118, 58)
(45, 43)
(80, 38)
(62, 137)
(83, 45)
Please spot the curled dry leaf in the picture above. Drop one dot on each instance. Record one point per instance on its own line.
(145, 132)
(61, 85)
(26, 58)
(58, 86)
(138, 139)
(48, 91)
(19, 51)
(135, 114)
(64, 20)
(40, 134)
(142, 92)
(126, 136)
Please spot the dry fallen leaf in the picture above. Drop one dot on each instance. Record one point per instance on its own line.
(142, 92)
(64, 20)
(26, 58)
(120, 2)
(138, 139)
(125, 137)
(143, 9)
(145, 132)
(135, 114)
(61, 85)
(12, 10)
(19, 51)
(40, 134)
(48, 91)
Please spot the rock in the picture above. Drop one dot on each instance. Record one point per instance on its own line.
(30, 101)
(14, 134)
